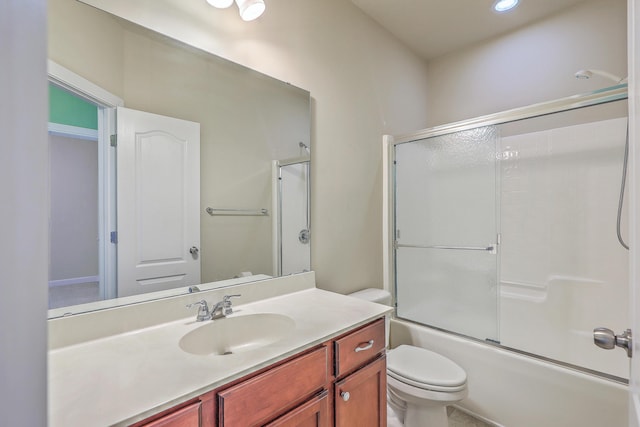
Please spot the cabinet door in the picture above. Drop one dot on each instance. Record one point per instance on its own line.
(361, 398)
(189, 416)
(197, 414)
(314, 413)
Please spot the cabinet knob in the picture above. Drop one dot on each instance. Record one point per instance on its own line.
(345, 395)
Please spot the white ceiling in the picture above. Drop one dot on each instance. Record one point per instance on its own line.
(435, 27)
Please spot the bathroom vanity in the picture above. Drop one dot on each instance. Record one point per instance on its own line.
(343, 378)
(318, 359)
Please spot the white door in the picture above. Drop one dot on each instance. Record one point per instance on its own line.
(158, 202)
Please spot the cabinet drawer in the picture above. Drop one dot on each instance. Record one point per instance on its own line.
(265, 396)
(359, 347)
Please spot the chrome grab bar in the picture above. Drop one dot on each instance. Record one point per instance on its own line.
(491, 248)
(248, 212)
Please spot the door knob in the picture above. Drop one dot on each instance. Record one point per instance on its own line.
(607, 339)
(345, 395)
(193, 250)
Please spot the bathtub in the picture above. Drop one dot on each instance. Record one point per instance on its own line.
(514, 390)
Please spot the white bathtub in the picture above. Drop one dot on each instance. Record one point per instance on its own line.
(513, 390)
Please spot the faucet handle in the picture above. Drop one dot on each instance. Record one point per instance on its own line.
(201, 303)
(226, 300)
(203, 310)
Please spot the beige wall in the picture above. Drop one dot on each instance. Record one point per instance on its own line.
(73, 184)
(363, 83)
(534, 64)
(73, 34)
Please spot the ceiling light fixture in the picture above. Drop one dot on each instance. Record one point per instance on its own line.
(250, 9)
(220, 4)
(504, 5)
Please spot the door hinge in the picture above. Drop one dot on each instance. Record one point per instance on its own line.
(114, 140)
(114, 237)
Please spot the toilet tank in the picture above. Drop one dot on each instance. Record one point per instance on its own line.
(379, 296)
(374, 295)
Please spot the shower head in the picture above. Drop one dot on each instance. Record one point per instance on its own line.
(587, 74)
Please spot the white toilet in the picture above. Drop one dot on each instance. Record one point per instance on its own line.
(420, 383)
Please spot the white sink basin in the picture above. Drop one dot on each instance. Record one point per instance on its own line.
(239, 334)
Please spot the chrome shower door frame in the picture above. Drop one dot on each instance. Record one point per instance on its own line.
(602, 96)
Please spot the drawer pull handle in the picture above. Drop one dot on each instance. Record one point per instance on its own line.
(366, 347)
(345, 395)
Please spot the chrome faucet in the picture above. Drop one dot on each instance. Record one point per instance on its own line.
(220, 309)
(203, 311)
(223, 308)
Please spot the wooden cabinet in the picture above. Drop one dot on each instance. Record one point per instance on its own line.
(314, 413)
(262, 398)
(361, 398)
(194, 413)
(340, 383)
(360, 390)
(354, 350)
(189, 416)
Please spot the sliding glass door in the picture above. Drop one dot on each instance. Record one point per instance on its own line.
(446, 237)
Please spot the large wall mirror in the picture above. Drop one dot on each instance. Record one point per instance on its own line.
(138, 216)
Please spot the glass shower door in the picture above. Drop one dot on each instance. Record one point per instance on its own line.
(294, 223)
(446, 238)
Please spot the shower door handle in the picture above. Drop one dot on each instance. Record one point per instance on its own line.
(491, 248)
(607, 339)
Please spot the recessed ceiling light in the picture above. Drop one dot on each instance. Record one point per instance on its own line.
(504, 5)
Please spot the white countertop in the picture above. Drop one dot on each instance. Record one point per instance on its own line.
(123, 378)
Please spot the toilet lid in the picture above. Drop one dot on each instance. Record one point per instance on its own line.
(422, 368)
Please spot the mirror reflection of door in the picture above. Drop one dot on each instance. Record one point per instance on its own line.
(158, 195)
(74, 271)
(82, 224)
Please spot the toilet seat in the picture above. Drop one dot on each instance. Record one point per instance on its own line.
(422, 396)
(424, 369)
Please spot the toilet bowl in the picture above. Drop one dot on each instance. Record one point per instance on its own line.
(420, 385)
(420, 382)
